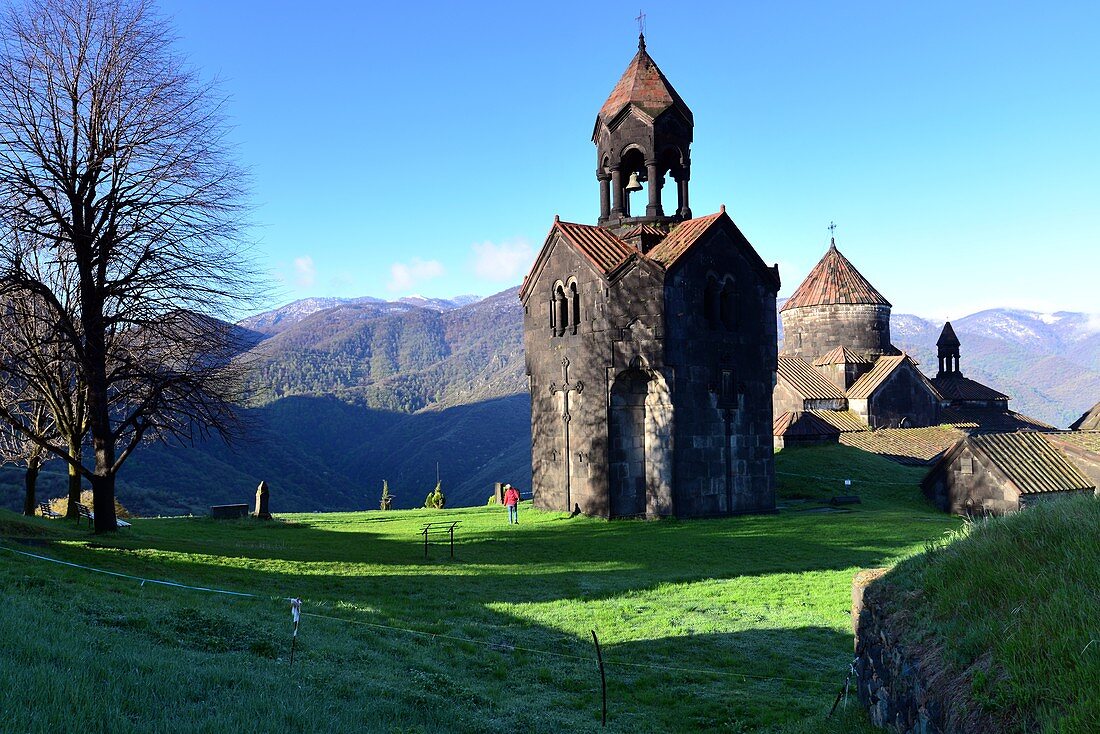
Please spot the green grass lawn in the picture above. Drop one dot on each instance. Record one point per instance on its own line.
(738, 624)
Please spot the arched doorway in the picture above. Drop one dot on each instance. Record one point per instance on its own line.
(640, 441)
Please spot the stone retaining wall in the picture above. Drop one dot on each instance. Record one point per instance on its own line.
(892, 683)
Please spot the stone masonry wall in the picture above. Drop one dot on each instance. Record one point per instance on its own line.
(894, 684)
(814, 331)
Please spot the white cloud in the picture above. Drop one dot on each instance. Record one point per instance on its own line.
(404, 275)
(1093, 324)
(305, 272)
(506, 261)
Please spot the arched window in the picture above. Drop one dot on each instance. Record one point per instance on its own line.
(574, 306)
(559, 310)
(727, 306)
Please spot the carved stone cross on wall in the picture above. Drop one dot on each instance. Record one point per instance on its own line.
(565, 388)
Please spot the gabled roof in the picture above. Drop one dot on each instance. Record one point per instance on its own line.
(598, 245)
(990, 420)
(834, 280)
(868, 383)
(957, 387)
(947, 337)
(644, 229)
(1087, 441)
(681, 238)
(644, 86)
(844, 420)
(1030, 462)
(841, 355)
(805, 380)
(1089, 421)
(685, 234)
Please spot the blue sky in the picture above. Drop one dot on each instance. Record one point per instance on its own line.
(402, 148)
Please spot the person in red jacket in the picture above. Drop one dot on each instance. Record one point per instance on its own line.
(511, 500)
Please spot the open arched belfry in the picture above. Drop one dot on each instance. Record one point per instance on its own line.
(650, 337)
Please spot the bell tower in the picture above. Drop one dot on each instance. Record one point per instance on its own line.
(947, 347)
(643, 135)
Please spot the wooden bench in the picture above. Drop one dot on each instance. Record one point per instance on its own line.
(437, 529)
(46, 511)
(87, 514)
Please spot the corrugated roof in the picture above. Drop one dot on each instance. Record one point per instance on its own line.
(834, 280)
(1087, 440)
(807, 381)
(910, 446)
(866, 385)
(643, 85)
(844, 420)
(599, 245)
(957, 387)
(681, 238)
(1089, 421)
(947, 337)
(842, 355)
(1032, 463)
(802, 423)
(991, 420)
(645, 229)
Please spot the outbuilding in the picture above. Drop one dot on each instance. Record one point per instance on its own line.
(996, 473)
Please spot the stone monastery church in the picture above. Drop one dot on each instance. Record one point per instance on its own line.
(838, 372)
(650, 336)
(651, 341)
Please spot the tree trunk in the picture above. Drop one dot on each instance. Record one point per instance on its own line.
(74, 480)
(103, 496)
(30, 502)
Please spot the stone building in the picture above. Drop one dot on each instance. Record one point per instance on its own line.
(995, 473)
(968, 404)
(837, 354)
(650, 338)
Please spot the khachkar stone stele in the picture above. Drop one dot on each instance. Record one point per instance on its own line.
(565, 388)
(263, 501)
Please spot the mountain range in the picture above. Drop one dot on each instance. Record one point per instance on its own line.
(346, 393)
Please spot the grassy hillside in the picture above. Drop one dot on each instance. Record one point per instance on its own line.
(1010, 607)
(736, 625)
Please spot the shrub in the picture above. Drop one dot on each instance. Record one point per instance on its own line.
(60, 504)
(436, 499)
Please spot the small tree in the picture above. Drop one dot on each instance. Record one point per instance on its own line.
(435, 499)
(387, 498)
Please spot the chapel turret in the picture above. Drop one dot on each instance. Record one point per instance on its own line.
(948, 348)
(643, 132)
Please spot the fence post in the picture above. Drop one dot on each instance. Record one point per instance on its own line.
(603, 678)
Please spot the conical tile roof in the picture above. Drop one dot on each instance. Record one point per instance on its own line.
(643, 85)
(834, 280)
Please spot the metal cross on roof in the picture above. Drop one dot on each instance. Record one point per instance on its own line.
(832, 228)
(641, 23)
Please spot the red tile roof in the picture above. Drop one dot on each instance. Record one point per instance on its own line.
(805, 380)
(842, 355)
(599, 245)
(645, 229)
(643, 85)
(957, 387)
(834, 280)
(681, 239)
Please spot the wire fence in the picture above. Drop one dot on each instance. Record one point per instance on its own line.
(436, 636)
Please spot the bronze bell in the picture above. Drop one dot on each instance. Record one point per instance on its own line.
(632, 183)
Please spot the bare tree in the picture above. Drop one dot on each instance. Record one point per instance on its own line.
(114, 164)
(17, 448)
